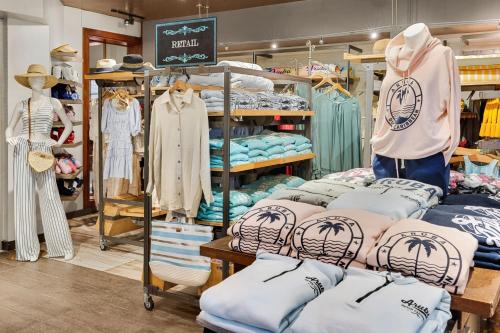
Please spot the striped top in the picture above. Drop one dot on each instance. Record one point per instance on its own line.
(42, 116)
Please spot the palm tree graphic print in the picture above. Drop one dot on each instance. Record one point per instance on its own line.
(419, 243)
(269, 215)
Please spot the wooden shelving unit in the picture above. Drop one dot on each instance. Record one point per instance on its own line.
(58, 124)
(217, 224)
(69, 175)
(70, 101)
(364, 58)
(268, 163)
(263, 113)
(72, 145)
(71, 83)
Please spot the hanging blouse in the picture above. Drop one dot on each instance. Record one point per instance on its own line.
(120, 125)
(490, 169)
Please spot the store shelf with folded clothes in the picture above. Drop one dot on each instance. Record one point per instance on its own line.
(259, 148)
(214, 100)
(242, 199)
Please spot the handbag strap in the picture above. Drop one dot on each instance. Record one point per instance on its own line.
(29, 123)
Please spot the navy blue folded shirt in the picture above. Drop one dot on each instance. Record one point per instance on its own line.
(481, 222)
(483, 200)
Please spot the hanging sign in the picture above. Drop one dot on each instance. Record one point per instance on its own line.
(187, 43)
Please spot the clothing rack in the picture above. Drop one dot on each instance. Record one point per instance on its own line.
(220, 119)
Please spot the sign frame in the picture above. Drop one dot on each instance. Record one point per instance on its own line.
(187, 60)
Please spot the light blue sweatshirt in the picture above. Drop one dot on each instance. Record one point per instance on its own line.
(376, 302)
(268, 294)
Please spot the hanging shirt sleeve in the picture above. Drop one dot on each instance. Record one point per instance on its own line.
(135, 121)
(453, 106)
(205, 176)
(153, 145)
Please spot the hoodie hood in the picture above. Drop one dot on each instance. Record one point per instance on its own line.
(403, 59)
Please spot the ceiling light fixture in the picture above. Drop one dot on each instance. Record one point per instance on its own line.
(274, 45)
(321, 41)
(374, 35)
(226, 47)
(130, 19)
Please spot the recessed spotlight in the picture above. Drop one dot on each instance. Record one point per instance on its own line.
(274, 46)
(374, 35)
(226, 47)
(321, 41)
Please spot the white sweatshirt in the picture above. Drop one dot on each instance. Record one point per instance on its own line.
(419, 109)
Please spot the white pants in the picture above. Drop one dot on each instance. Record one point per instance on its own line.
(55, 224)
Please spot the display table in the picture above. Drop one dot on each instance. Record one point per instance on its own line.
(481, 296)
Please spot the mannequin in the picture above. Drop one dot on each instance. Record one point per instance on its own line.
(418, 118)
(26, 180)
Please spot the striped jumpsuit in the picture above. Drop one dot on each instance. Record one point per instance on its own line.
(55, 224)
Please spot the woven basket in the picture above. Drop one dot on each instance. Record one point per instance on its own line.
(40, 161)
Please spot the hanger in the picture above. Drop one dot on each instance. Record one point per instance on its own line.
(327, 79)
(179, 85)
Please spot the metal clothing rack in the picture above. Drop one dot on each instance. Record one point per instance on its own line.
(226, 119)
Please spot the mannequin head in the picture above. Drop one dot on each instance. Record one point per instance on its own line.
(37, 82)
(413, 30)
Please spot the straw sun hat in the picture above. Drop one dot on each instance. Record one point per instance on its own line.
(36, 70)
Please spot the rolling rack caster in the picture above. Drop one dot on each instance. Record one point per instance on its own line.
(149, 304)
(103, 244)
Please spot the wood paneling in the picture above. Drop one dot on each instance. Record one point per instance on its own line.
(159, 9)
(134, 45)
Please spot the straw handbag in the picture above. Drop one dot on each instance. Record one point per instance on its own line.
(39, 161)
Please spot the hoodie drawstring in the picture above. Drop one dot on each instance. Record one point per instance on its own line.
(397, 167)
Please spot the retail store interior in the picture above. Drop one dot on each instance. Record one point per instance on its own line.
(250, 166)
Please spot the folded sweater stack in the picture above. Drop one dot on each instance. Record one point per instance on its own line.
(434, 254)
(481, 222)
(393, 197)
(269, 226)
(341, 237)
(258, 148)
(214, 100)
(318, 192)
(241, 200)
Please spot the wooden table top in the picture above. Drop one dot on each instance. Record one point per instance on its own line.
(481, 296)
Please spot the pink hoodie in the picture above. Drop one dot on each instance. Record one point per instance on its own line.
(419, 109)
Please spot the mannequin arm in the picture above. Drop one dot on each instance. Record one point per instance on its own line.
(9, 132)
(68, 126)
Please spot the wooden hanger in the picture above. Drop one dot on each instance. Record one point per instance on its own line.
(327, 79)
(179, 85)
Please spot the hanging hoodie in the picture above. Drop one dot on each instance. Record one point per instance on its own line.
(363, 299)
(419, 109)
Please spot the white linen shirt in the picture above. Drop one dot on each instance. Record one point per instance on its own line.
(179, 155)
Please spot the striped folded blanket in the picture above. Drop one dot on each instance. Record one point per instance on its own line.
(175, 253)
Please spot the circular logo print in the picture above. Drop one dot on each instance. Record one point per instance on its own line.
(337, 237)
(403, 104)
(422, 254)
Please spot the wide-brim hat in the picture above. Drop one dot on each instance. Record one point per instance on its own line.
(36, 70)
(65, 48)
(380, 45)
(104, 66)
(134, 63)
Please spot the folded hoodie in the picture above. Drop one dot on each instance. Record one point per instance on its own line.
(371, 302)
(343, 235)
(272, 221)
(267, 294)
(419, 110)
(484, 200)
(438, 255)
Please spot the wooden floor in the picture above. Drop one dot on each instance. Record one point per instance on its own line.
(52, 296)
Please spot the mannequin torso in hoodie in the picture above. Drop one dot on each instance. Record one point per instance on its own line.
(414, 36)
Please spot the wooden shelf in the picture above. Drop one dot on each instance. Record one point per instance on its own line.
(268, 163)
(262, 113)
(364, 58)
(72, 197)
(71, 83)
(58, 124)
(114, 76)
(70, 101)
(72, 145)
(211, 223)
(69, 175)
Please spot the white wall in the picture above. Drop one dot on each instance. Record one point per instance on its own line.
(26, 44)
(33, 28)
(4, 170)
